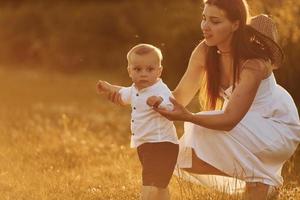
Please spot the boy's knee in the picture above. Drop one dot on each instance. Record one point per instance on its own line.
(153, 192)
(154, 189)
(158, 189)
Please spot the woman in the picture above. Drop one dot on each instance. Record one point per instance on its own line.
(258, 127)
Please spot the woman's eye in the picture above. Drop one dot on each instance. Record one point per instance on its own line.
(216, 22)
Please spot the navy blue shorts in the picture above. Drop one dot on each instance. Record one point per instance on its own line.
(158, 162)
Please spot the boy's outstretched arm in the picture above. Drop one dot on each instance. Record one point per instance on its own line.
(105, 87)
(111, 92)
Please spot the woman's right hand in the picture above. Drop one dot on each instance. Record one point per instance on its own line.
(115, 97)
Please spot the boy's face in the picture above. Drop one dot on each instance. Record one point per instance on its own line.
(144, 70)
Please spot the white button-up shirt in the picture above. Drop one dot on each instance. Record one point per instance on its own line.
(146, 124)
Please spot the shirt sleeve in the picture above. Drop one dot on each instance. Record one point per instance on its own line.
(125, 93)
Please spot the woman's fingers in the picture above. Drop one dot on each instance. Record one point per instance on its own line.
(175, 103)
(178, 113)
(115, 97)
(166, 113)
(110, 96)
(119, 99)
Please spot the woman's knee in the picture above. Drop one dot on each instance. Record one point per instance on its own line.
(201, 167)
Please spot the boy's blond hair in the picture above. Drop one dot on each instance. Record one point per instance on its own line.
(142, 49)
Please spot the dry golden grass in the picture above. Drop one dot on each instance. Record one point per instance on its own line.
(59, 140)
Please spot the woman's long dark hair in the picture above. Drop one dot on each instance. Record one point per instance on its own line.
(244, 46)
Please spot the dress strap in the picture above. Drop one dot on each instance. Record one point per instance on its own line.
(268, 65)
(243, 65)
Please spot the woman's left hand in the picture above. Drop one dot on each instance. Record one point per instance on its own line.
(179, 113)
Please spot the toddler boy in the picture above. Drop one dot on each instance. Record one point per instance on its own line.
(153, 135)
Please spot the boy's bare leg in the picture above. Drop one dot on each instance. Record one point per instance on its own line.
(163, 194)
(147, 193)
(154, 193)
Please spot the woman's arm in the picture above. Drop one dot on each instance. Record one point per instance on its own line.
(239, 103)
(191, 80)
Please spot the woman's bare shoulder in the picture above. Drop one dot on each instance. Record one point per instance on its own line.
(201, 48)
(199, 53)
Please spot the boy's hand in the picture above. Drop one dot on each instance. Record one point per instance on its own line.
(111, 92)
(115, 97)
(103, 87)
(154, 101)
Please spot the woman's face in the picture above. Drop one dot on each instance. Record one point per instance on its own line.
(217, 28)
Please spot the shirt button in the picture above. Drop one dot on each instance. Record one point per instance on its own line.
(134, 108)
(137, 94)
(132, 121)
(132, 133)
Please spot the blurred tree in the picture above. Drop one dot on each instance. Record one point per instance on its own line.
(75, 35)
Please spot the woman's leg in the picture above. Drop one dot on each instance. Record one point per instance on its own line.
(201, 167)
(257, 191)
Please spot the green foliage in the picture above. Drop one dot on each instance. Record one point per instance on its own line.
(75, 35)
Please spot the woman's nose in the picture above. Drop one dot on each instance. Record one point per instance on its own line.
(204, 25)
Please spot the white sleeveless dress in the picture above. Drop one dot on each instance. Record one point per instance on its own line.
(255, 150)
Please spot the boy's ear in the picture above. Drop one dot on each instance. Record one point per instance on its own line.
(129, 71)
(160, 70)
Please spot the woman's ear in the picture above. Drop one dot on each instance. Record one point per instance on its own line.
(235, 25)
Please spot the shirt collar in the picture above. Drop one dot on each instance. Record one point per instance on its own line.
(152, 87)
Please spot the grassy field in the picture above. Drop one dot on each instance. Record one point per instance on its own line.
(59, 140)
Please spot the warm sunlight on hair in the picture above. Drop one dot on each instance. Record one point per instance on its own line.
(143, 49)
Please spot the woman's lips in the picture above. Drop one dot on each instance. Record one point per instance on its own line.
(207, 36)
